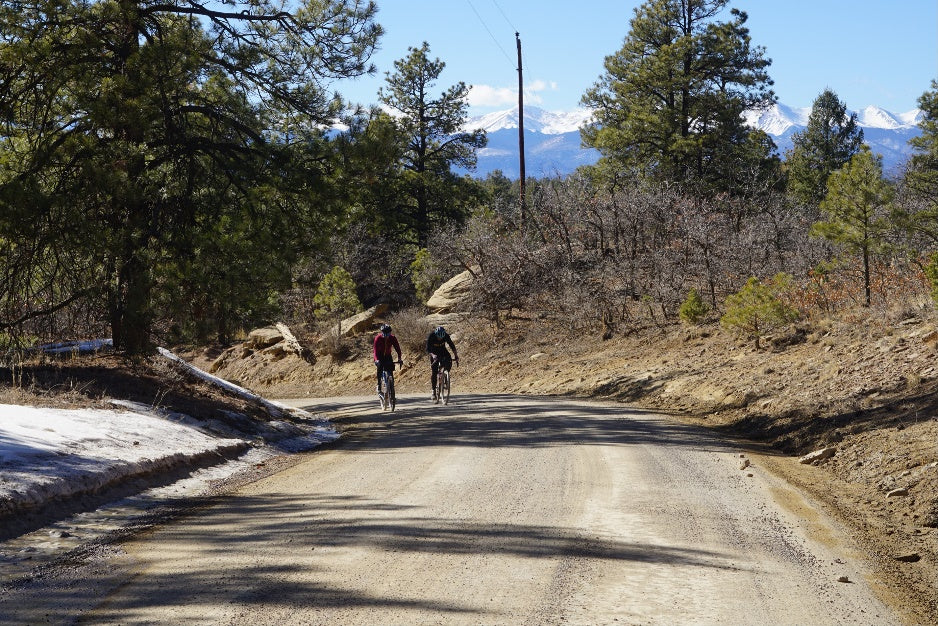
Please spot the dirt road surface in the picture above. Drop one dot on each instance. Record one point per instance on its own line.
(492, 510)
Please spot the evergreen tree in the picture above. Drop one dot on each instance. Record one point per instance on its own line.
(336, 297)
(500, 192)
(435, 141)
(140, 136)
(693, 309)
(831, 138)
(371, 173)
(922, 170)
(857, 206)
(758, 307)
(670, 103)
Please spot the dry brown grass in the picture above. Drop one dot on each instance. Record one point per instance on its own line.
(411, 328)
(333, 344)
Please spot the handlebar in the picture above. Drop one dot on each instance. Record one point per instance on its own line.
(434, 358)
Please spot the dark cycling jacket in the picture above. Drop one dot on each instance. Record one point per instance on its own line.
(437, 346)
(383, 346)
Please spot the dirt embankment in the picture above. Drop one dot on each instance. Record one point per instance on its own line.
(865, 388)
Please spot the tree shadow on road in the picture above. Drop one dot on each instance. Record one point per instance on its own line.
(502, 420)
(292, 537)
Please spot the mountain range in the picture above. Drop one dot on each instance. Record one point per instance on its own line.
(552, 139)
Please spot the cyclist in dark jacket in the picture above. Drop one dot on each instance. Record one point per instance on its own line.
(439, 356)
(384, 358)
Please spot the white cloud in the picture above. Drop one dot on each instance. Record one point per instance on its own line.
(488, 96)
(541, 85)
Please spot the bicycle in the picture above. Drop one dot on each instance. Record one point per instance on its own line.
(386, 395)
(442, 386)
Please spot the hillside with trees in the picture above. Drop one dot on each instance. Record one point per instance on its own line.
(171, 181)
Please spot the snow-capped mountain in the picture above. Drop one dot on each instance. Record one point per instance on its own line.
(551, 142)
(778, 119)
(887, 133)
(552, 138)
(535, 120)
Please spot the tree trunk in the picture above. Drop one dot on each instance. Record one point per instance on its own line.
(866, 276)
(129, 309)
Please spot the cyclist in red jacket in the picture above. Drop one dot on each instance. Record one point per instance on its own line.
(384, 358)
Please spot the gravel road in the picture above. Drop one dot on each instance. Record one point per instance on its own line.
(492, 510)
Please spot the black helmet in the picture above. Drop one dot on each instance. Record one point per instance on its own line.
(385, 329)
(440, 332)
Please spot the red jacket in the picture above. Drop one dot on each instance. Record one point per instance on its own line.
(383, 345)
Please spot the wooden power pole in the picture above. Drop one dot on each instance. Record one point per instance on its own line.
(521, 127)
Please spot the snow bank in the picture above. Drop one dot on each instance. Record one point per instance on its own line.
(50, 454)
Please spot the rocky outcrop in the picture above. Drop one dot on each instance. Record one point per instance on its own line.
(273, 342)
(291, 343)
(453, 295)
(359, 323)
(818, 456)
(261, 338)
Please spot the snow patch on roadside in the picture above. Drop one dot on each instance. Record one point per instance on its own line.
(49, 454)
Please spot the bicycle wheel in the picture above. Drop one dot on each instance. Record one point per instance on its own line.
(383, 394)
(444, 387)
(392, 399)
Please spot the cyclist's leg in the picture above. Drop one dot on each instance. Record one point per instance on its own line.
(384, 365)
(447, 365)
(434, 370)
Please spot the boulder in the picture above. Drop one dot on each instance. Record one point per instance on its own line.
(817, 456)
(261, 338)
(452, 294)
(359, 323)
(444, 319)
(292, 344)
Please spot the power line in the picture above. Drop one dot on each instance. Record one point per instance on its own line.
(527, 65)
(486, 27)
(504, 16)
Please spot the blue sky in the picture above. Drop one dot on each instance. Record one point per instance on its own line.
(870, 52)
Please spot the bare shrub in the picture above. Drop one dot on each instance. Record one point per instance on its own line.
(623, 259)
(411, 328)
(333, 343)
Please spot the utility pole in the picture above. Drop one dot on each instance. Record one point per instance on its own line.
(521, 127)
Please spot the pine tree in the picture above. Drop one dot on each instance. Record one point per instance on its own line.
(693, 309)
(141, 136)
(335, 297)
(758, 308)
(670, 103)
(922, 171)
(857, 209)
(830, 139)
(435, 140)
